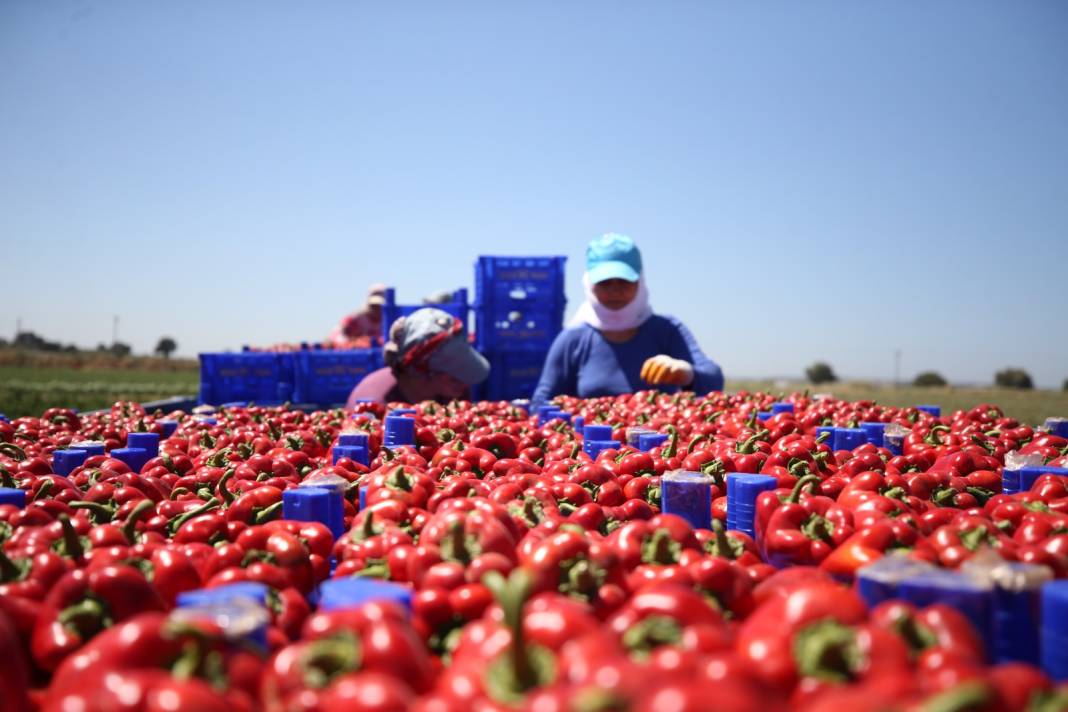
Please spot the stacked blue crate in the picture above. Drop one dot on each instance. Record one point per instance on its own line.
(249, 376)
(519, 310)
(326, 378)
(391, 311)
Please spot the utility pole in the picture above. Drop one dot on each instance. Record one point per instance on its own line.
(18, 326)
(897, 368)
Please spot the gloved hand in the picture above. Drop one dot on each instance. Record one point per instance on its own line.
(664, 370)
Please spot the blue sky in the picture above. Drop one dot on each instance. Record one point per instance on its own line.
(824, 180)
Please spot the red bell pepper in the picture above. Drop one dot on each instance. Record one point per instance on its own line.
(85, 602)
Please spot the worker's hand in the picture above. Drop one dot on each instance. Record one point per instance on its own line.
(666, 371)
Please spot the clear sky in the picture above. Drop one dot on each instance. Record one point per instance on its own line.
(817, 180)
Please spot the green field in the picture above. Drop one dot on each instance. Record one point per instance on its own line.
(1031, 407)
(29, 390)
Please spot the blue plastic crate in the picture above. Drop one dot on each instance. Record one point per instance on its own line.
(391, 311)
(327, 377)
(519, 302)
(500, 279)
(226, 377)
(512, 375)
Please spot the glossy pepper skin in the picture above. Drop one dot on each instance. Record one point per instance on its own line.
(14, 673)
(806, 533)
(85, 602)
(152, 655)
(766, 639)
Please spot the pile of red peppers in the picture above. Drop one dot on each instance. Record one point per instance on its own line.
(542, 579)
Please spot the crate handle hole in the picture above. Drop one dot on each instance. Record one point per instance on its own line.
(517, 293)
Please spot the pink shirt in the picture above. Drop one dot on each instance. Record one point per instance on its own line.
(379, 386)
(354, 326)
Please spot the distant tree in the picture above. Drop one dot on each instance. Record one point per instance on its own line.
(166, 347)
(102, 348)
(1014, 378)
(1065, 386)
(120, 349)
(820, 372)
(3, 343)
(928, 379)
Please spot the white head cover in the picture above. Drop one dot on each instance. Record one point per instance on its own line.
(600, 317)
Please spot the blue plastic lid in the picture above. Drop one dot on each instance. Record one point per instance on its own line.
(1055, 608)
(169, 426)
(399, 430)
(65, 462)
(359, 439)
(1010, 481)
(1057, 426)
(849, 438)
(879, 581)
(782, 407)
(342, 593)
(874, 432)
(597, 432)
(146, 441)
(651, 440)
(92, 447)
(935, 410)
(764, 415)
(134, 457)
(243, 589)
(544, 410)
(973, 598)
(634, 435)
(578, 423)
(356, 453)
(687, 495)
(10, 495)
(1028, 475)
(593, 448)
(315, 504)
(239, 618)
(743, 489)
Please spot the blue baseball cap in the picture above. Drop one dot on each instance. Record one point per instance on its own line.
(613, 256)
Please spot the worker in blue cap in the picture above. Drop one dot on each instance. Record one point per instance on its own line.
(615, 344)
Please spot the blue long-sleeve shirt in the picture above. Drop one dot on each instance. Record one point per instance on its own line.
(583, 363)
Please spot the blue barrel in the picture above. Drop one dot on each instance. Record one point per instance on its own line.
(12, 496)
(849, 438)
(742, 492)
(65, 462)
(687, 495)
(134, 457)
(399, 430)
(149, 442)
(353, 592)
(651, 440)
(315, 504)
(597, 432)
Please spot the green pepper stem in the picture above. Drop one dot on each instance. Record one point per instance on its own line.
(71, 542)
(795, 494)
(129, 528)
